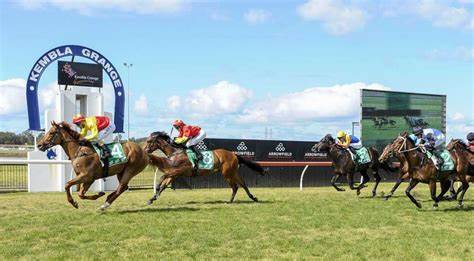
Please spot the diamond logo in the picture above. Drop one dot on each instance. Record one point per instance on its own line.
(280, 147)
(201, 146)
(314, 149)
(241, 146)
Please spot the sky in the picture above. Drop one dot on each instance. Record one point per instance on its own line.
(237, 68)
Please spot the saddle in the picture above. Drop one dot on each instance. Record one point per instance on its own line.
(116, 156)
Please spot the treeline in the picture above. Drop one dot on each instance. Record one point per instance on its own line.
(16, 139)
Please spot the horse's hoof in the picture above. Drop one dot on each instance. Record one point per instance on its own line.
(101, 193)
(386, 198)
(255, 199)
(358, 192)
(461, 205)
(374, 194)
(435, 205)
(418, 205)
(74, 204)
(150, 202)
(104, 206)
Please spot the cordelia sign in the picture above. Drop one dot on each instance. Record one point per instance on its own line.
(72, 50)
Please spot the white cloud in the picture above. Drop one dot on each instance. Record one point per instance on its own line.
(141, 105)
(460, 53)
(13, 98)
(89, 7)
(174, 102)
(222, 98)
(318, 103)
(443, 15)
(457, 116)
(257, 16)
(337, 18)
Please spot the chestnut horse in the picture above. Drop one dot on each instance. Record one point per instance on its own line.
(176, 164)
(86, 163)
(420, 168)
(345, 166)
(464, 159)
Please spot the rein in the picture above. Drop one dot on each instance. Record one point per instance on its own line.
(404, 145)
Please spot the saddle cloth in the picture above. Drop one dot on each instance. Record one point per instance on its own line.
(363, 156)
(117, 155)
(448, 164)
(207, 161)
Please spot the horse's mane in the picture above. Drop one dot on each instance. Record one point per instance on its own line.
(160, 134)
(460, 141)
(74, 134)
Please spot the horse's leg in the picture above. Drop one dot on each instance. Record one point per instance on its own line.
(334, 179)
(241, 182)
(452, 190)
(160, 188)
(350, 180)
(397, 184)
(432, 185)
(77, 180)
(464, 186)
(412, 185)
(85, 186)
(123, 177)
(445, 185)
(365, 179)
(155, 196)
(234, 191)
(377, 181)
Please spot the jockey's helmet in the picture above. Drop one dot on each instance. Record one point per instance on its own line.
(417, 130)
(470, 136)
(341, 134)
(78, 119)
(178, 123)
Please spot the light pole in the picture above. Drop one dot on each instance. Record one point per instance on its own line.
(354, 124)
(128, 66)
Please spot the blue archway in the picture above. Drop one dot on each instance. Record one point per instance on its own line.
(72, 50)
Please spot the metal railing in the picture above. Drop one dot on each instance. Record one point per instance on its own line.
(13, 177)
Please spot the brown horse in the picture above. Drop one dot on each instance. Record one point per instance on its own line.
(420, 168)
(177, 164)
(345, 166)
(464, 168)
(86, 163)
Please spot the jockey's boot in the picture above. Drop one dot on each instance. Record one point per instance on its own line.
(196, 161)
(440, 159)
(354, 152)
(105, 158)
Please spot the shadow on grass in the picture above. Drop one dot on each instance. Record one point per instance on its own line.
(151, 210)
(227, 202)
(456, 209)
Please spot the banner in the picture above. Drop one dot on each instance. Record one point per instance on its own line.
(80, 74)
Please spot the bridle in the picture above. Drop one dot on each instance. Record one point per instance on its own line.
(404, 146)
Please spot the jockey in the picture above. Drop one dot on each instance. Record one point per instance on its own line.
(433, 139)
(190, 136)
(100, 127)
(470, 140)
(349, 142)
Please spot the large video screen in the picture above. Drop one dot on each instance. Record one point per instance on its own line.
(385, 114)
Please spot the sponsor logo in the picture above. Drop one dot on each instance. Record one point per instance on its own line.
(201, 146)
(314, 153)
(280, 152)
(242, 150)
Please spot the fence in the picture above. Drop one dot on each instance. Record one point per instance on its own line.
(13, 177)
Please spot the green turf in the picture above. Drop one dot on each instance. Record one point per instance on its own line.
(287, 224)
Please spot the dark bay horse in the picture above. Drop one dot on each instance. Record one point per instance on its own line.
(420, 168)
(463, 159)
(86, 163)
(345, 166)
(176, 164)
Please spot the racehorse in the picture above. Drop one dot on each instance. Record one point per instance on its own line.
(463, 159)
(86, 162)
(176, 164)
(345, 166)
(420, 168)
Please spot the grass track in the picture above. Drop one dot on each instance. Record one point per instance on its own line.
(287, 224)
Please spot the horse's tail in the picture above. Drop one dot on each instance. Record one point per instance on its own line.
(252, 165)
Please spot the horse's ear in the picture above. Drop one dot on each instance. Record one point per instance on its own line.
(53, 123)
(404, 134)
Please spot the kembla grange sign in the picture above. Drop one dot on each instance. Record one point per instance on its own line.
(72, 50)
